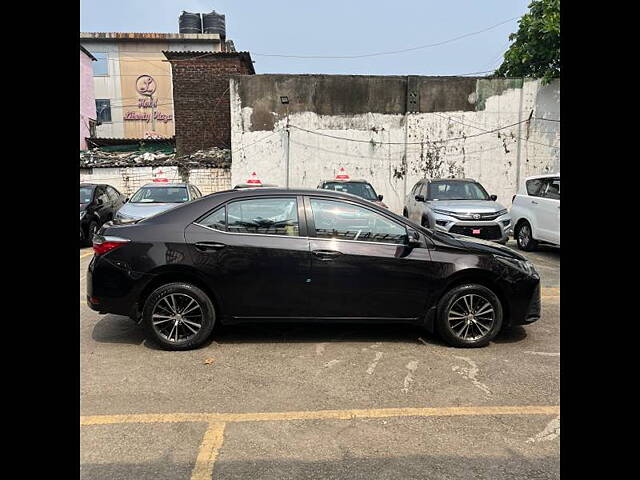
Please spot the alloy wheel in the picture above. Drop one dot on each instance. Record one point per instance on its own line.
(524, 235)
(471, 317)
(177, 317)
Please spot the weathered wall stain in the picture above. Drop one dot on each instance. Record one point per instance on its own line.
(368, 116)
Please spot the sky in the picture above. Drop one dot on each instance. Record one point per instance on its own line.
(336, 28)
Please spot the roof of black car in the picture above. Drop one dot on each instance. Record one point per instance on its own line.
(274, 191)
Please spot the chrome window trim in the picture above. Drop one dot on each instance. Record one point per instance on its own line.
(297, 236)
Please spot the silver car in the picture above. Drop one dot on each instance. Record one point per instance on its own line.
(459, 206)
(154, 198)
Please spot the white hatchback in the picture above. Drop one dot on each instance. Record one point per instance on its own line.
(535, 212)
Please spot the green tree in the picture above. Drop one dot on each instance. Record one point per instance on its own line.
(536, 49)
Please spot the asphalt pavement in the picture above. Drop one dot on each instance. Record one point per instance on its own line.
(311, 401)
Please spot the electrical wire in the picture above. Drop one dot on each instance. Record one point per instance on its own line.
(390, 52)
(444, 140)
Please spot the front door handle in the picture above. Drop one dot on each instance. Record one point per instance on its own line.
(534, 202)
(208, 246)
(326, 254)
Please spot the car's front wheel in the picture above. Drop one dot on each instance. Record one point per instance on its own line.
(178, 316)
(524, 237)
(469, 315)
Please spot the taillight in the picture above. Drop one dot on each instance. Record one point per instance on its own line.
(102, 245)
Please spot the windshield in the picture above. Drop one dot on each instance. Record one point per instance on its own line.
(85, 194)
(456, 190)
(160, 195)
(363, 190)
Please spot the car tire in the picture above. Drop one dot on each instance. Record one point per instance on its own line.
(425, 222)
(458, 329)
(164, 324)
(405, 213)
(92, 229)
(524, 237)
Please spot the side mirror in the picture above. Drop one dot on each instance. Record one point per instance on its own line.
(380, 197)
(493, 197)
(413, 237)
(419, 198)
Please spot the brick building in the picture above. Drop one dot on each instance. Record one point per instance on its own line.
(201, 96)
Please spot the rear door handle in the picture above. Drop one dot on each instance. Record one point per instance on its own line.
(208, 246)
(326, 254)
(534, 202)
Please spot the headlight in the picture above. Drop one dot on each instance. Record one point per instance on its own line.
(525, 266)
(502, 212)
(443, 212)
(82, 214)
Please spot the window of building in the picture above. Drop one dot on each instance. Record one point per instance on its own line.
(103, 110)
(100, 65)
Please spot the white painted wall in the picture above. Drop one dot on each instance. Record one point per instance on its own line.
(129, 179)
(491, 159)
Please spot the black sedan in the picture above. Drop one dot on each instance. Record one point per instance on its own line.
(98, 204)
(254, 255)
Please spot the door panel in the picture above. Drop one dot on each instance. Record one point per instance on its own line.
(254, 274)
(379, 277)
(549, 212)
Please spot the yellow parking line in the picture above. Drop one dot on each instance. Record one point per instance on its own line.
(550, 292)
(86, 254)
(320, 414)
(208, 452)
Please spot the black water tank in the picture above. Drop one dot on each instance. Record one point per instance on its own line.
(190, 23)
(213, 23)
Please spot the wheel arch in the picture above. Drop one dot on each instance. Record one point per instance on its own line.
(177, 273)
(480, 277)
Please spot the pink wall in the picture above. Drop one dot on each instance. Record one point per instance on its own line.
(87, 98)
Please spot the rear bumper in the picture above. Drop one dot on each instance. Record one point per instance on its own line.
(113, 289)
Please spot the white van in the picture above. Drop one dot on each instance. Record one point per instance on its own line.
(535, 212)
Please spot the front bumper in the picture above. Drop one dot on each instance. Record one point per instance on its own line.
(496, 230)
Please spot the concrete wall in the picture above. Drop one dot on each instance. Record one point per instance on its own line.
(128, 179)
(374, 116)
(87, 98)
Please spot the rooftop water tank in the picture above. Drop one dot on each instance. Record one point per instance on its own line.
(214, 23)
(190, 23)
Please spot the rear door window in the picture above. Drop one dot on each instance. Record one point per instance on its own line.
(216, 220)
(553, 189)
(265, 216)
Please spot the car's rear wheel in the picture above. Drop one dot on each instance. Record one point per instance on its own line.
(92, 229)
(524, 237)
(178, 316)
(469, 315)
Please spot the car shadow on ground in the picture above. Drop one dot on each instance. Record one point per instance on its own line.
(118, 329)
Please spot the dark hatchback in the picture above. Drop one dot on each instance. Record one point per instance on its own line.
(254, 255)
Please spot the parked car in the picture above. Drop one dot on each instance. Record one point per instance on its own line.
(459, 206)
(98, 204)
(154, 198)
(535, 211)
(257, 255)
(361, 188)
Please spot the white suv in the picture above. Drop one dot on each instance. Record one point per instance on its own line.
(535, 212)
